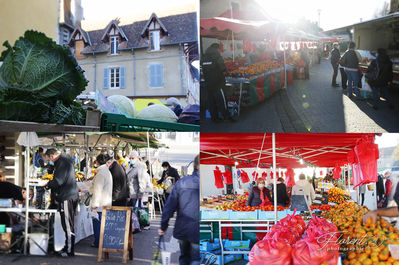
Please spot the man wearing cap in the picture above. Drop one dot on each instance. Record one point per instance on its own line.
(335, 56)
(136, 178)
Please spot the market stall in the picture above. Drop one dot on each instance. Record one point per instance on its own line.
(42, 222)
(255, 68)
(346, 160)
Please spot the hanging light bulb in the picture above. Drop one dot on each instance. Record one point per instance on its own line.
(301, 161)
(236, 163)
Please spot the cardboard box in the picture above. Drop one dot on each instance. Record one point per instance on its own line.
(244, 215)
(207, 246)
(215, 215)
(236, 244)
(5, 242)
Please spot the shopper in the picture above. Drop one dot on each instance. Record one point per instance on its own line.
(170, 176)
(303, 185)
(380, 188)
(174, 104)
(120, 187)
(282, 197)
(39, 160)
(136, 176)
(350, 60)
(184, 201)
(259, 194)
(214, 69)
(101, 192)
(64, 188)
(388, 187)
(362, 191)
(335, 56)
(382, 65)
(121, 161)
(344, 78)
(305, 58)
(387, 212)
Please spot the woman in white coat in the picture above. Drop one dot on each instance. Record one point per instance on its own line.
(101, 191)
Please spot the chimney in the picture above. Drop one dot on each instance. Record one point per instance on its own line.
(394, 7)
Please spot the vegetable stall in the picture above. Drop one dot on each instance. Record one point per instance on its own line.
(42, 216)
(255, 70)
(275, 234)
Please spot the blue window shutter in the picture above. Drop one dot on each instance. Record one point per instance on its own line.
(160, 76)
(122, 77)
(152, 75)
(106, 78)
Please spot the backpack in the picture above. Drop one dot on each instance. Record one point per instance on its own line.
(372, 73)
(190, 115)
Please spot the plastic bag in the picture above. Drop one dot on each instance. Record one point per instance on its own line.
(290, 181)
(270, 252)
(365, 87)
(285, 234)
(135, 223)
(244, 176)
(308, 251)
(157, 256)
(227, 177)
(218, 178)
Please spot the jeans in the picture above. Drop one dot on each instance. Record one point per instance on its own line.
(96, 229)
(376, 95)
(189, 253)
(334, 78)
(217, 104)
(353, 80)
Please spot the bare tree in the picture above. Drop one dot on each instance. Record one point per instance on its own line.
(383, 11)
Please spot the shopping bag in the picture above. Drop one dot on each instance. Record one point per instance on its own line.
(366, 87)
(144, 218)
(157, 256)
(135, 223)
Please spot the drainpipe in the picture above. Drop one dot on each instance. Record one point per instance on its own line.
(181, 69)
(95, 72)
(134, 72)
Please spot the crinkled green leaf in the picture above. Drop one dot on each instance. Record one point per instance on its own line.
(37, 64)
(24, 111)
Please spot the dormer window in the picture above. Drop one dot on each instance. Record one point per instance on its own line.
(114, 44)
(155, 40)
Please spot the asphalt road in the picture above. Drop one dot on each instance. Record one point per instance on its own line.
(313, 106)
(144, 244)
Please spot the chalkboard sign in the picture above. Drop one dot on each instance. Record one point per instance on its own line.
(299, 202)
(115, 233)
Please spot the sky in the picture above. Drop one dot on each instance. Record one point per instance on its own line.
(387, 140)
(98, 13)
(334, 14)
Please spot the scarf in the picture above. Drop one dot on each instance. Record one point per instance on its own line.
(262, 197)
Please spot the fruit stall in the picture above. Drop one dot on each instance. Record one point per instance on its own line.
(272, 234)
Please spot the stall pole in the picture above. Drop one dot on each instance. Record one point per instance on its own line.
(275, 176)
(152, 189)
(232, 33)
(27, 156)
(87, 156)
(285, 69)
(260, 153)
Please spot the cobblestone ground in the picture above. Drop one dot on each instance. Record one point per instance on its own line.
(313, 106)
(143, 249)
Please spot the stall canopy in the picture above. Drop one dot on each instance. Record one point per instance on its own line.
(221, 27)
(319, 150)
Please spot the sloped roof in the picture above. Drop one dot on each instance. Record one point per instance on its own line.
(86, 36)
(181, 29)
(149, 21)
(108, 28)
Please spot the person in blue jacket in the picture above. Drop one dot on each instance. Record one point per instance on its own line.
(184, 200)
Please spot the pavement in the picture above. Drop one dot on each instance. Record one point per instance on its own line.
(313, 106)
(144, 244)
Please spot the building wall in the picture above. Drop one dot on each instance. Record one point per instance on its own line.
(20, 15)
(136, 84)
(372, 38)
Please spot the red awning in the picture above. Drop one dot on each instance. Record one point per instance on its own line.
(222, 27)
(318, 149)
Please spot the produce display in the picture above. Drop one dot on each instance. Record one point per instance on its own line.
(324, 207)
(338, 195)
(372, 238)
(124, 104)
(39, 81)
(157, 112)
(255, 69)
(239, 203)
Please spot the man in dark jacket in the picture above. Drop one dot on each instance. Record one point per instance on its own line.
(350, 61)
(184, 201)
(335, 56)
(66, 193)
(380, 188)
(383, 66)
(120, 187)
(213, 68)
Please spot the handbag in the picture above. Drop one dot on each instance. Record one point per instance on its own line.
(157, 256)
(87, 199)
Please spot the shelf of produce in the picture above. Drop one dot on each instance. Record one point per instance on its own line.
(116, 122)
(241, 224)
(25, 126)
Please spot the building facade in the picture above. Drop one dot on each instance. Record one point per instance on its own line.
(147, 59)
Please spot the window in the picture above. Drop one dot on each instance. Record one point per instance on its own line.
(155, 40)
(114, 44)
(65, 36)
(114, 78)
(156, 75)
